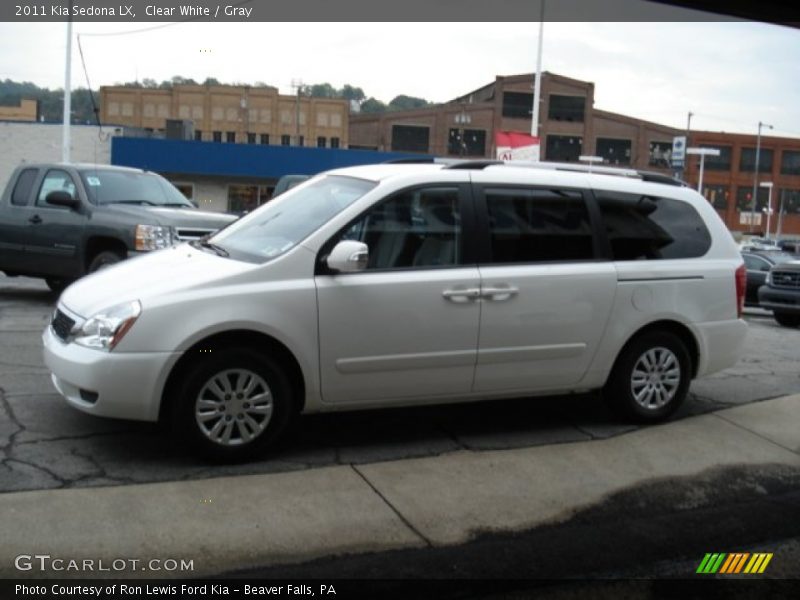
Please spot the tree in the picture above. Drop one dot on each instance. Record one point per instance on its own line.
(211, 81)
(372, 105)
(349, 92)
(403, 102)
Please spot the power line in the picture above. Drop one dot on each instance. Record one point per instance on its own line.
(95, 110)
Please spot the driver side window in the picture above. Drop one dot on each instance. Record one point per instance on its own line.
(55, 180)
(416, 228)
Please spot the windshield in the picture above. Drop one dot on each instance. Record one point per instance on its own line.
(281, 224)
(106, 186)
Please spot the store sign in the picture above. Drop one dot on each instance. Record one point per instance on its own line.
(678, 151)
(516, 146)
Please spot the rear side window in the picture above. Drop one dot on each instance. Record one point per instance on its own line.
(648, 227)
(22, 191)
(538, 225)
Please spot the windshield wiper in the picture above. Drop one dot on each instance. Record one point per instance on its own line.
(204, 243)
(133, 202)
(178, 204)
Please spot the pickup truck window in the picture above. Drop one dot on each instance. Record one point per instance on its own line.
(22, 191)
(105, 186)
(55, 180)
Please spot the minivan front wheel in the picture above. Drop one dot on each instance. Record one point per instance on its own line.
(651, 377)
(234, 403)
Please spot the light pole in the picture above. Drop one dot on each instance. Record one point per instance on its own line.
(755, 177)
(537, 90)
(780, 215)
(703, 152)
(768, 184)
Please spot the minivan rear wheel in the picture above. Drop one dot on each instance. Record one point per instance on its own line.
(651, 377)
(234, 403)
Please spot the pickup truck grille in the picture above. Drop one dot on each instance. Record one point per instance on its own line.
(62, 325)
(787, 280)
(187, 234)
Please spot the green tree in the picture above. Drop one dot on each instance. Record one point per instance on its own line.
(372, 105)
(403, 102)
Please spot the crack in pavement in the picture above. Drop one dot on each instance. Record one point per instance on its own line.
(6, 449)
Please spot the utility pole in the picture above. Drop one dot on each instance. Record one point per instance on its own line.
(297, 84)
(755, 176)
(65, 134)
(537, 85)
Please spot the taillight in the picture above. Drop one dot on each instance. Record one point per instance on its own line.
(741, 285)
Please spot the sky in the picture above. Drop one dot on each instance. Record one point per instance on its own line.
(731, 75)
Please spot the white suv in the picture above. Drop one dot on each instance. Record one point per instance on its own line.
(401, 284)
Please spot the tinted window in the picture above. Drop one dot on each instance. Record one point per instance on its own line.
(717, 163)
(55, 180)
(790, 162)
(22, 191)
(466, 142)
(647, 227)
(613, 151)
(566, 108)
(517, 105)
(717, 195)
(747, 161)
(563, 148)
(530, 225)
(416, 228)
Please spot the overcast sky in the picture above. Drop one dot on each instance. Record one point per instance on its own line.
(731, 75)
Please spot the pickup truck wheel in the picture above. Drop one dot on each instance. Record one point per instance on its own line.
(651, 378)
(104, 259)
(57, 285)
(235, 403)
(787, 319)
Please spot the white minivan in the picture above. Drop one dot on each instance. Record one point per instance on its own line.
(404, 284)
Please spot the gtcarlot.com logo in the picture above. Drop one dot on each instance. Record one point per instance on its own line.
(735, 563)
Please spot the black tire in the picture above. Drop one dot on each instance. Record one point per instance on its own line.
(237, 416)
(104, 259)
(787, 319)
(56, 284)
(661, 387)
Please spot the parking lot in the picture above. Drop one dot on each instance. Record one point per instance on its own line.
(47, 444)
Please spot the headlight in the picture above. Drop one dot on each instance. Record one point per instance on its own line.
(153, 237)
(105, 329)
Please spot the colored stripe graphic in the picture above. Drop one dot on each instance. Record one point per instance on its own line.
(734, 563)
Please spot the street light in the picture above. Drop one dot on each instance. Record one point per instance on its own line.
(703, 152)
(768, 184)
(755, 177)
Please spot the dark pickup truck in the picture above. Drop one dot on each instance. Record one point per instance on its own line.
(62, 221)
(781, 293)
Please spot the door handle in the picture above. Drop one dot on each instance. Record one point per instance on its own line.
(464, 295)
(35, 219)
(499, 293)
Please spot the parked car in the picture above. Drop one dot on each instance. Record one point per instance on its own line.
(758, 263)
(407, 284)
(62, 221)
(758, 243)
(791, 246)
(781, 293)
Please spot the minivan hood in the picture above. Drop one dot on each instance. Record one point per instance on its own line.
(175, 217)
(149, 275)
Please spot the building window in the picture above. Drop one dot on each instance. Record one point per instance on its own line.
(301, 141)
(790, 162)
(336, 120)
(217, 113)
(410, 138)
(335, 142)
(230, 137)
(747, 162)
(466, 142)
(322, 119)
(285, 140)
(563, 148)
(232, 114)
(717, 163)
(217, 136)
(187, 189)
(613, 151)
(744, 198)
(251, 138)
(790, 200)
(198, 135)
(113, 109)
(264, 139)
(717, 195)
(321, 142)
(660, 154)
(566, 108)
(517, 105)
(242, 198)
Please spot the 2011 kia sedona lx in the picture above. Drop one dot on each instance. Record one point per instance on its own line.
(401, 284)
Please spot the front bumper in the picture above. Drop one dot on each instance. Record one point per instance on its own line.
(125, 385)
(784, 301)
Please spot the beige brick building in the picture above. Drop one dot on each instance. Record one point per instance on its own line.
(28, 110)
(233, 114)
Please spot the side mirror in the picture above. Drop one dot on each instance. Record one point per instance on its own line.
(348, 256)
(62, 198)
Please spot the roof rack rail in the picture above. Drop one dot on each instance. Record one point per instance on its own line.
(410, 160)
(473, 164)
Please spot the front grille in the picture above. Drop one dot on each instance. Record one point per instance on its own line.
(62, 325)
(788, 280)
(187, 234)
